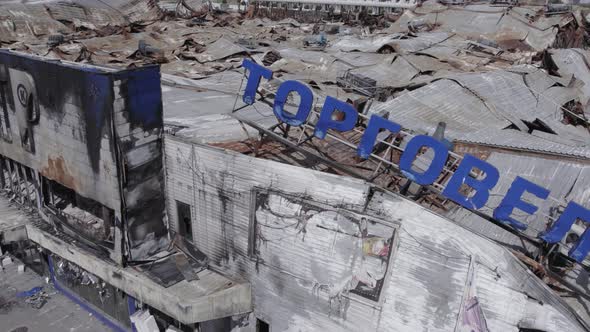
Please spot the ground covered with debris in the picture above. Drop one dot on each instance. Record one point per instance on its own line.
(29, 303)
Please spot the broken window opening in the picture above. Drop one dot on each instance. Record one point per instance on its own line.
(84, 216)
(109, 300)
(262, 326)
(277, 216)
(164, 321)
(5, 132)
(183, 212)
(19, 180)
(32, 256)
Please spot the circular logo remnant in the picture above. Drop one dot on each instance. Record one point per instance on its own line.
(22, 94)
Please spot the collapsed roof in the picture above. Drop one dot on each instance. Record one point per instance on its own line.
(508, 79)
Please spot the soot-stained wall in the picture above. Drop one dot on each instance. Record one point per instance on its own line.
(138, 127)
(94, 130)
(56, 119)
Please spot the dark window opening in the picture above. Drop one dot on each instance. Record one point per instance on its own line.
(164, 321)
(185, 228)
(5, 132)
(102, 296)
(262, 326)
(85, 217)
(20, 181)
(29, 254)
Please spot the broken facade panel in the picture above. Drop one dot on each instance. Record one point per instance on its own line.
(93, 135)
(331, 233)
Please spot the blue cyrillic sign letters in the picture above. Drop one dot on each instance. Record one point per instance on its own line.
(340, 116)
(304, 106)
(513, 200)
(436, 166)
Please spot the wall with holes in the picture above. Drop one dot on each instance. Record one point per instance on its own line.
(94, 130)
(330, 253)
(55, 118)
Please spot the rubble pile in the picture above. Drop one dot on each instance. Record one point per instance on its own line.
(35, 297)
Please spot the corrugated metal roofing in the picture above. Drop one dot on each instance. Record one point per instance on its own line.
(205, 117)
(368, 44)
(443, 100)
(476, 21)
(220, 49)
(574, 62)
(518, 140)
(394, 73)
(558, 176)
(420, 42)
(505, 93)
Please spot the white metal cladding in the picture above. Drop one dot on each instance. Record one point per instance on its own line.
(443, 100)
(517, 140)
(429, 268)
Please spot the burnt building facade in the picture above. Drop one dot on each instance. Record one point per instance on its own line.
(90, 140)
(81, 149)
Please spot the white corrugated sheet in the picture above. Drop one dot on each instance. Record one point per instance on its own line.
(517, 140)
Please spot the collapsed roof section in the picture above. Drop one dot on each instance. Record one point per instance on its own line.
(481, 69)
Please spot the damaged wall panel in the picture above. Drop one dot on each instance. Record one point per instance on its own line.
(332, 244)
(56, 119)
(138, 125)
(94, 131)
(295, 235)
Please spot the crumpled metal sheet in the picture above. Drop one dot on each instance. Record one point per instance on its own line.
(86, 17)
(164, 271)
(369, 44)
(442, 100)
(220, 49)
(505, 93)
(578, 135)
(421, 42)
(427, 64)
(392, 73)
(141, 10)
(538, 80)
(519, 140)
(228, 82)
(552, 100)
(358, 59)
(477, 21)
(27, 22)
(574, 62)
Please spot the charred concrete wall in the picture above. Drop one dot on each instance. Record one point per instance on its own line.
(56, 119)
(138, 124)
(93, 130)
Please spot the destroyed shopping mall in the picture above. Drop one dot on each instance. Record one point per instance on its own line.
(297, 165)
